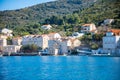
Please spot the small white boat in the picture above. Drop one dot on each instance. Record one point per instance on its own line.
(1, 55)
(108, 53)
(64, 54)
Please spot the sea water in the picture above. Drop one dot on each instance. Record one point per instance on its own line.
(59, 68)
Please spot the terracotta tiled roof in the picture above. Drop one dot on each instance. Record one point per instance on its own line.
(86, 25)
(116, 31)
(51, 34)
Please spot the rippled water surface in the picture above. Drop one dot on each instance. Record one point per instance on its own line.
(59, 68)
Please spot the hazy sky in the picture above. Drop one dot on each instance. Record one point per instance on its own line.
(17, 4)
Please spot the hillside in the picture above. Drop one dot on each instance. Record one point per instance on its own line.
(96, 13)
(64, 15)
(37, 13)
(104, 9)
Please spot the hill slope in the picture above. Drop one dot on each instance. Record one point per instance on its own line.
(37, 13)
(69, 15)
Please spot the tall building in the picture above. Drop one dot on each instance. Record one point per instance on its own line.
(3, 42)
(62, 46)
(39, 40)
(111, 42)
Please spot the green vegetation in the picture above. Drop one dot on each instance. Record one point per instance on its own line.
(91, 40)
(30, 48)
(94, 46)
(64, 15)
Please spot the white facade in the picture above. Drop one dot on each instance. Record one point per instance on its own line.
(3, 37)
(108, 21)
(7, 32)
(110, 43)
(88, 28)
(3, 42)
(63, 45)
(11, 48)
(53, 47)
(46, 27)
(17, 41)
(39, 40)
(66, 46)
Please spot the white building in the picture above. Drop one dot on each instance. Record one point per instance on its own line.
(39, 40)
(88, 28)
(46, 27)
(54, 43)
(108, 21)
(54, 47)
(62, 46)
(3, 42)
(111, 42)
(7, 32)
(17, 41)
(66, 45)
(59, 47)
(12, 48)
(3, 37)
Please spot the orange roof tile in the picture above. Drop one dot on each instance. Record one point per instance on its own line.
(51, 33)
(86, 25)
(116, 31)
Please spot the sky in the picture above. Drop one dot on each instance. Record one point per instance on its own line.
(17, 4)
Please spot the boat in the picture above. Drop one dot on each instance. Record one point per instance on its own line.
(64, 54)
(84, 51)
(1, 55)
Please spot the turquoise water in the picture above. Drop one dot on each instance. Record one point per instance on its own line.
(59, 68)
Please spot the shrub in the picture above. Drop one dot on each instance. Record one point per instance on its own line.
(94, 46)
